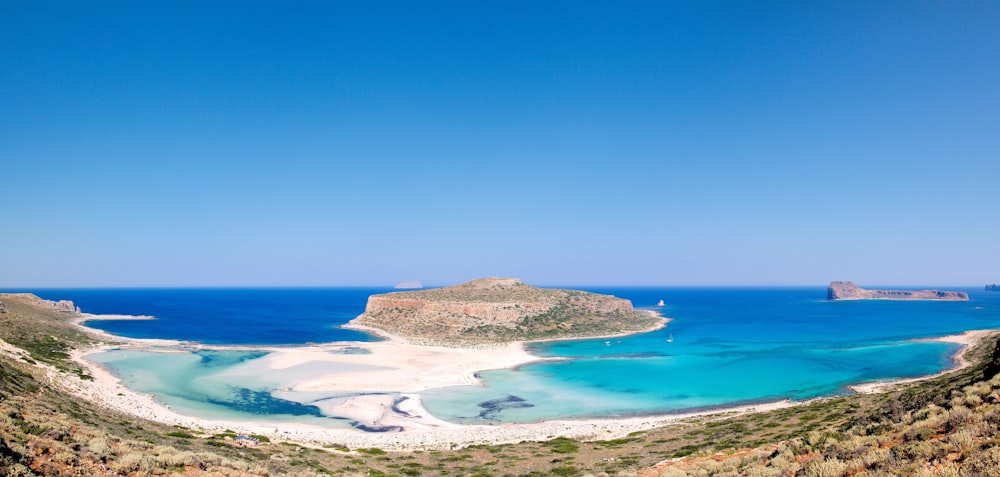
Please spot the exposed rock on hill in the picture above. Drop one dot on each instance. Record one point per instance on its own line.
(850, 291)
(493, 310)
(61, 305)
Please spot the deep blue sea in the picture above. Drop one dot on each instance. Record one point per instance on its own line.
(723, 346)
(226, 315)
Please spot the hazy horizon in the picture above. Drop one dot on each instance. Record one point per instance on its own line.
(620, 144)
(541, 285)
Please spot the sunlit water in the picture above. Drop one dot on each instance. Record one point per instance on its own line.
(724, 346)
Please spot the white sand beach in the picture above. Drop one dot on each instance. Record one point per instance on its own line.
(967, 340)
(396, 366)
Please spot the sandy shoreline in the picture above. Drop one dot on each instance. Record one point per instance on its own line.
(394, 371)
(967, 339)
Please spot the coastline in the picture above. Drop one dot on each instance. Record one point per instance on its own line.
(966, 339)
(417, 367)
(661, 324)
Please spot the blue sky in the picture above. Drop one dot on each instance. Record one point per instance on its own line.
(565, 143)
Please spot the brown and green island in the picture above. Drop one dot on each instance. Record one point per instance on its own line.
(850, 291)
(501, 310)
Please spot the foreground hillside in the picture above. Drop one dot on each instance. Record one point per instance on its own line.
(944, 426)
(493, 310)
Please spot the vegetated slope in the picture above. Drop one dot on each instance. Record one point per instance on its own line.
(497, 310)
(943, 426)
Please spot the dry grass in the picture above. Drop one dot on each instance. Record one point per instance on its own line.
(944, 426)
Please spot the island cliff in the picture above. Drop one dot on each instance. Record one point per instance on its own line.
(850, 291)
(496, 310)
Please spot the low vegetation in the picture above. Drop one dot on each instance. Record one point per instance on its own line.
(943, 426)
(497, 310)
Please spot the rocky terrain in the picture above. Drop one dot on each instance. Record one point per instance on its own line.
(941, 426)
(850, 291)
(61, 305)
(497, 310)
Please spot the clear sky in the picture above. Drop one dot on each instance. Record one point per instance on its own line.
(565, 143)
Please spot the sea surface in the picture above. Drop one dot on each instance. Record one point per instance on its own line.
(724, 346)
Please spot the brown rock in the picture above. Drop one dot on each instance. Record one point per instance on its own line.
(850, 291)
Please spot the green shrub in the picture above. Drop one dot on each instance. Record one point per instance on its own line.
(563, 445)
(826, 468)
(132, 462)
(371, 451)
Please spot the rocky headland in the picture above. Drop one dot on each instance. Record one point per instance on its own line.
(500, 310)
(30, 299)
(850, 291)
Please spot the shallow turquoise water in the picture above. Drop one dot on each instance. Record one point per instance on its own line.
(729, 346)
(726, 346)
(214, 384)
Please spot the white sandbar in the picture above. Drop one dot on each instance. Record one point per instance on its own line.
(398, 367)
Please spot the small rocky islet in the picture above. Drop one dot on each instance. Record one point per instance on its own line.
(850, 291)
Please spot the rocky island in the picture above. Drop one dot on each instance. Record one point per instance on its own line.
(850, 291)
(500, 310)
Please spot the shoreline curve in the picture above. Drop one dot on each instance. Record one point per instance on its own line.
(419, 429)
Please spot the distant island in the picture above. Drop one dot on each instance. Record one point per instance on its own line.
(993, 287)
(850, 291)
(500, 310)
(409, 285)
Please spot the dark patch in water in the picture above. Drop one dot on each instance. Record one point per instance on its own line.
(647, 354)
(397, 410)
(218, 359)
(678, 397)
(352, 350)
(495, 406)
(262, 402)
(362, 427)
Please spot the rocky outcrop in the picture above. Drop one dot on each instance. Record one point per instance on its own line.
(993, 287)
(492, 310)
(850, 291)
(61, 305)
(3, 308)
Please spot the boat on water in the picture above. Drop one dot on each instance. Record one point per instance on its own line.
(993, 287)
(661, 303)
(671, 338)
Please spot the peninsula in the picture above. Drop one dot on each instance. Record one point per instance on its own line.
(500, 310)
(850, 291)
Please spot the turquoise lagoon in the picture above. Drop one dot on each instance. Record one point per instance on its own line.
(725, 346)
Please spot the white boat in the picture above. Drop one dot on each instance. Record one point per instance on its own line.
(661, 303)
(671, 338)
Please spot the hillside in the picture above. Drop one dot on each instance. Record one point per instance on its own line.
(496, 310)
(941, 426)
